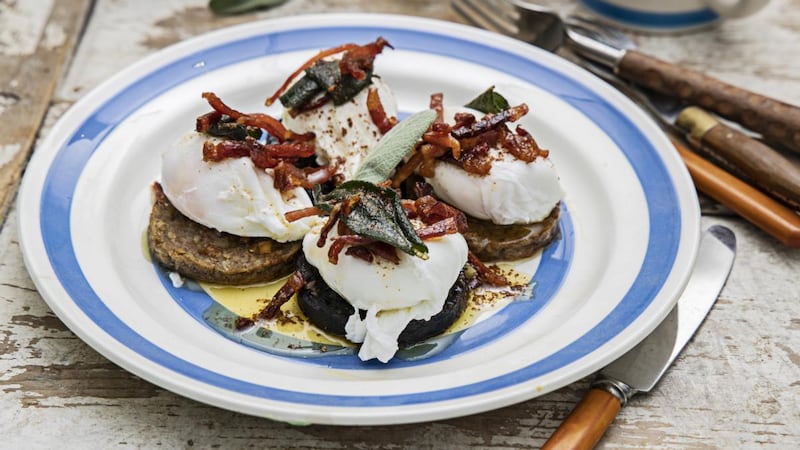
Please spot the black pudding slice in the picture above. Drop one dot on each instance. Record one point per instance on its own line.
(329, 311)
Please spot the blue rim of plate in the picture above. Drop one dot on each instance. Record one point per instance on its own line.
(66, 167)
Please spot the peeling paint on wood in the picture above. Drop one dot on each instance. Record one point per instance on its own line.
(37, 39)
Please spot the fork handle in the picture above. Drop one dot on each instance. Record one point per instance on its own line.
(742, 154)
(777, 121)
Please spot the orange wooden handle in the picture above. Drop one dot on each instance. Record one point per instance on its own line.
(753, 205)
(585, 425)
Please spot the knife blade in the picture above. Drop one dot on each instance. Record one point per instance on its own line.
(642, 367)
(776, 121)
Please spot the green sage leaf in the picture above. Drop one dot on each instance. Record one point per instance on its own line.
(377, 214)
(390, 150)
(489, 102)
(227, 7)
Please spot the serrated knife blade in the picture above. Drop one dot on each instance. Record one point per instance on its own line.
(640, 368)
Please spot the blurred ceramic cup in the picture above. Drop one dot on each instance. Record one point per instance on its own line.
(673, 15)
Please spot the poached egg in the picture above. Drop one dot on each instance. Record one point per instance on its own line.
(391, 294)
(232, 195)
(344, 133)
(513, 192)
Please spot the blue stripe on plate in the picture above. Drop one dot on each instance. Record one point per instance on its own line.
(650, 19)
(70, 160)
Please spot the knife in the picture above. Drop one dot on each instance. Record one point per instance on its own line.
(776, 121)
(639, 369)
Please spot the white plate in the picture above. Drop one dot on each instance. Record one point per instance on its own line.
(627, 245)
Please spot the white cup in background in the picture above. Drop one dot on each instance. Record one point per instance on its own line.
(673, 15)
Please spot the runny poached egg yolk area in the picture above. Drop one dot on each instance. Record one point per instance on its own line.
(232, 195)
(344, 133)
(392, 294)
(513, 192)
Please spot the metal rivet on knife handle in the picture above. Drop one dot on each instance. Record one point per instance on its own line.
(743, 155)
(777, 121)
(696, 122)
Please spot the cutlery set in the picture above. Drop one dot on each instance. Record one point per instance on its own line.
(675, 98)
(727, 163)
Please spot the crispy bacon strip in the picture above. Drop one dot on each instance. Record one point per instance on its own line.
(219, 106)
(360, 252)
(523, 146)
(292, 285)
(406, 169)
(491, 122)
(484, 273)
(385, 251)
(298, 214)
(377, 113)
(339, 242)
(437, 105)
(306, 65)
(438, 229)
(286, 176)
(430, 153)
(264, 156)
(439, 135)
(431, 210)
(274, 127)
(332, 218)
(477, 159)
(204, 122)
(355, 62)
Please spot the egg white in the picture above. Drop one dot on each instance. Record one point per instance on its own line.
(392, 294)
(513, 192)
(232, 195)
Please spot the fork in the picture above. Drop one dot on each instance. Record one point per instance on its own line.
(772, 217)
(777, 121)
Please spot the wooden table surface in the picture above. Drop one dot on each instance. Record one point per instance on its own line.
(737, 385)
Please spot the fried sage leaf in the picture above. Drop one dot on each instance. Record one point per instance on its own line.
(374, 212)
(489, 102)
(393, 147)
(226, 128)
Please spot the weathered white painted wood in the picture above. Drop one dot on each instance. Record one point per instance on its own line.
(36, 40)
(737, 385)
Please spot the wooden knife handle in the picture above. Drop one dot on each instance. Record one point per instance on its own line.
(587, 423)
(776, 121)
(748, 202)
(742, 155)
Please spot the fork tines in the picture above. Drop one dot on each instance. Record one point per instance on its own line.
(516, 18)
(493, 15)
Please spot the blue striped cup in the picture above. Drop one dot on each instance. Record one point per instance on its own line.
(675, 15)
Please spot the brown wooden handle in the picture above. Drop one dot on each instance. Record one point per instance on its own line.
(777, 121)
(743, 155)
(587, 423)
(753, 205)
